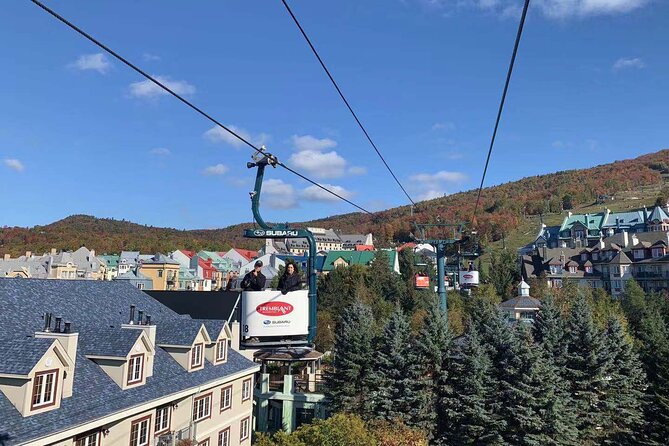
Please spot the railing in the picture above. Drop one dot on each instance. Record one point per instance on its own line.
(181, 437)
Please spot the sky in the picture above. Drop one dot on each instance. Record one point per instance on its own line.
(82, 134)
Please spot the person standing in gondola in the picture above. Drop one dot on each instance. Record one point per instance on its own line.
(254, 280)
(290, 280)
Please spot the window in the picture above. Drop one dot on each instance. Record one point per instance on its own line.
(88, 439)
(140, 286)
(244, 429)
(44, 389)
(638, 254)
(204, 443)
(246, 390)
(196, 356)
(63, 274)
(140, 431)
(202, 407)
(224, 437)
(162, 419)
(588, 269)
(160, 273)
(226, 398)
(221, 350)
(135, 368)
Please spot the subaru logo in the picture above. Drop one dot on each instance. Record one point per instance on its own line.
(266, 322)
(258, 233)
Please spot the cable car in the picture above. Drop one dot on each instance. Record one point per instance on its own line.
(421, 281)
(270, 319)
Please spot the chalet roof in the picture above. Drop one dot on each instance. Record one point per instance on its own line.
(19, 356)
(115, 342)
(590, 221)
(160, 259)
(571, 263)
(521, 302)
(92, 305)
(621, 259)
(178, 332)
(658, 215)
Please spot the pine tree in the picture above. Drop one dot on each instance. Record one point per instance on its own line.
(654, 351)
(468, 414)
(432, 360)
(536, 408)
(625, 380)
(585, 368)
(633, 301)
(349, 385)
(549, 330)
(395, 394)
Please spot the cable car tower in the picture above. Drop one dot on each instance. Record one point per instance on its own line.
(443, 246)
(266, 320)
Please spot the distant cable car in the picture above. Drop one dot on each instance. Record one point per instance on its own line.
(469, 278)
(421, 281)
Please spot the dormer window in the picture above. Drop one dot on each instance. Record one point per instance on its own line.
(588, 269)
(135, 369)
(45, 385)
(196, 358)
(572, 269)
(88, 439)
(221, 350)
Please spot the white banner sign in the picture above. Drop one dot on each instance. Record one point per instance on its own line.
(469, 278)
(270, 313)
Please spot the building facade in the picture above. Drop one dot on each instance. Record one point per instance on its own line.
(99, 372)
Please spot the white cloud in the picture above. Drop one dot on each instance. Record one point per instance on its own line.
(624, 63)
(431, 194)
(160, 151)
(445, 126)
(441, 176)
(14, 164)
(147, 89)
(312, 155)
(308, 142)
(555, 9)
(318, 164)
(95, 62)
(150, 57)
(357, 170)
(431, 185)
(278, 195)
(217, 134)
(218, 169)
(315, 193)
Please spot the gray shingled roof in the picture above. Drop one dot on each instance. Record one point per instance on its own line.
(521, 302)
(178, 332)
(93, 306)
(19, 356)
(115, 342)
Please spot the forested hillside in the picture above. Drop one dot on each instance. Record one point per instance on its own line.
(503, 208)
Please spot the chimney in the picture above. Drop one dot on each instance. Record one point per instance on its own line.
(47, 322)
(140, 317)
(69, 342)
(91, 256)
(7, 257)
(58, 322)
(562, 258)
(29, 254)
(635, 240)
(569, 214)
(53, 251)
(626, 239)
(131, 320)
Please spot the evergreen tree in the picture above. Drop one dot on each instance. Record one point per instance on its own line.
(585, 368)
(549, 331)
(533, 394)
(395, 392)
(634, 303)
(468, 415)
(654, 351)
(432, 360)
(504, 272)
(625, 380)
(384, 282)
(350, 382)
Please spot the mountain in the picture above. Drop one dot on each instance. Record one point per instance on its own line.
(508, 211)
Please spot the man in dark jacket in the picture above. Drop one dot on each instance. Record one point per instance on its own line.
(290, 280)
(254, 280)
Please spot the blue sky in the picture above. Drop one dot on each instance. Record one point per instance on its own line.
(80, 133)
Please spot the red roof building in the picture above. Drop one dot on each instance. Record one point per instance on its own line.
(247, 253)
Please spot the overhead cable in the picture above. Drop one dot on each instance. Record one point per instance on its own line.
(184, 100)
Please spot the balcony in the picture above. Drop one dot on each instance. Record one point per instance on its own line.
(182, 437)
(648, 275)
